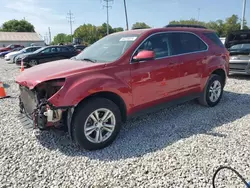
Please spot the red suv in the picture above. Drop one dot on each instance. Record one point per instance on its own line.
(121, 75)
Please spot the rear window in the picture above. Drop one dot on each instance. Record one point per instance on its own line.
(214, 38)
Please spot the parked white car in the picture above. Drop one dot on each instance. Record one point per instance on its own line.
(10, 56)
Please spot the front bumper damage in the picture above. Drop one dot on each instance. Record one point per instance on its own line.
(42, 113)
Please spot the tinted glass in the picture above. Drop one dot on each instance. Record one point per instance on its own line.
(46, 51)
(190, 43)
(241, 46)
(63, 49)
(29, 50)
(214, 38)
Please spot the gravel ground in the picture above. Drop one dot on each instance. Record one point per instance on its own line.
(176, 147)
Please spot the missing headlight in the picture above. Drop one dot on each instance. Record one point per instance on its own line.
(47, 89)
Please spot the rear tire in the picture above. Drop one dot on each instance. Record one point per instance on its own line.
(213, 91)
(90, 129)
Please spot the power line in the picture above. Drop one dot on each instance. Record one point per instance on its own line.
(70, 20)
(107, 6)
(243, 14)
(126, 15)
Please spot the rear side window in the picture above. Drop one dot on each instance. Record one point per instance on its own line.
(63, 49)
(214, 37)
(183, 43)
(191, 43)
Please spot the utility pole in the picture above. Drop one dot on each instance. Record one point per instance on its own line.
(199, 14)
(49, 36)
(107, 6)
(126, 15)
(46, 38)
(70, 19)
(243, 14)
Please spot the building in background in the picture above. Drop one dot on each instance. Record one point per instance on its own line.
(22, 38)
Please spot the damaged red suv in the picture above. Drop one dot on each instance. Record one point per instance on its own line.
(122, 75)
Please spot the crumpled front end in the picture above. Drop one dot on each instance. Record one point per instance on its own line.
(34, 103)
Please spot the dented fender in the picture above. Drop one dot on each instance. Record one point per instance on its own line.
(78, 88)
(213, 63)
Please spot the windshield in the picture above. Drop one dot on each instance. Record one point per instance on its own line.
(241, 47)
(24, 49)
(39, 50)
(108, 49)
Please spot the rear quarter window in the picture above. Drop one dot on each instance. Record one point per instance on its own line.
(214, 38)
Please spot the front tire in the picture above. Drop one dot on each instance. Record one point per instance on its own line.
(213, 91)
(33, 62)
(96, 123)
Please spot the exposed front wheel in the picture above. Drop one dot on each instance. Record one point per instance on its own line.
(33, 62)
(213, 91)
(96, 123)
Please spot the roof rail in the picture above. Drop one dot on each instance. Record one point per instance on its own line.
(139, 28)
(185, 25)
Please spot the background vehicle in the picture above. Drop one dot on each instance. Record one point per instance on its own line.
(47, 54)
(10, 47)
(79, 48)
(121, 75)
(10, 56)
(238, 44)
(2, 54)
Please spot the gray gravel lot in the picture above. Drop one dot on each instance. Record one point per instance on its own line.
(176, 147)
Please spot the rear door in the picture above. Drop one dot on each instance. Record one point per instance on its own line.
(192, 53)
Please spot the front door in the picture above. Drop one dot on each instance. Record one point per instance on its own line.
(155, 79)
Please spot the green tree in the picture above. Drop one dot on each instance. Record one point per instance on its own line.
(17, 26)
(222, 28)
(87, 32)
(141, 25)
(188, 22)
(90, 33)
(62, 38)
(117, 29)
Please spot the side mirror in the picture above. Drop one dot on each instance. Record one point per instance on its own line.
(144, 55)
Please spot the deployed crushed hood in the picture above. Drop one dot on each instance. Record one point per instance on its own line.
(53, 70)
(237, 37)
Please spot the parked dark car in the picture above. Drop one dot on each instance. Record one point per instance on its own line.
(79, 48)
(47, 54)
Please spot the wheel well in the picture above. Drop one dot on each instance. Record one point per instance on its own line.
(114, 98)
(221, 73)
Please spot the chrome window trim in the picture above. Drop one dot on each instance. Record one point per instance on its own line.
(166, 32)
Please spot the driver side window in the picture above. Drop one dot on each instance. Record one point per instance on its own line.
(158, 43)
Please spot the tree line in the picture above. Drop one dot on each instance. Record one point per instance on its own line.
(90, 33)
